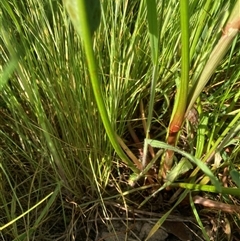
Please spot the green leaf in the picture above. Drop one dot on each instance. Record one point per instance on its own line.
(198, 162)
(153, 28)
(235, 176)
(82, 20)
(7, 72)
(207, 188)
(195, 212)
(182, 167)
(93, 13)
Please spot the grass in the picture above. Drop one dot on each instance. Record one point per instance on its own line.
(62, 164)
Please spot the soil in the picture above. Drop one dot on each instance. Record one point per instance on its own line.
(135, 225)
(138, 230)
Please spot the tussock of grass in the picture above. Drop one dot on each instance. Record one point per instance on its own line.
(51, 135)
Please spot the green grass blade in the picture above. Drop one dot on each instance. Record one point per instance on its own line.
(182, 167)
(229, 131)
(7, 72)
(43, 214)
(135, 177)
(180, 103)
(23, 214)
(229, 33)
(80, 16)
(199, 163)
(89, 10)
(182, 88)
(195, 212)
(201, 137)
(153, 30)
(208, 188)
(201, 24)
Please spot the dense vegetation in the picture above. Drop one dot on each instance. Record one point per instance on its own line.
(140, 103)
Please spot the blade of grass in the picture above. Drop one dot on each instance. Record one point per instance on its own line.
(200, 27)
(201, 131)
(235, 177)
(7, 72)
(153, 31)
(208, 188)
(182, 167)
(23, 214)
(195, 212)
(229, 33)
(135, 177)
(43, 214)
(81, 14)
(199, 163)
(229, 131)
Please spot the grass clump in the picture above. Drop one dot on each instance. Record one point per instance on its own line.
(85, 111)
